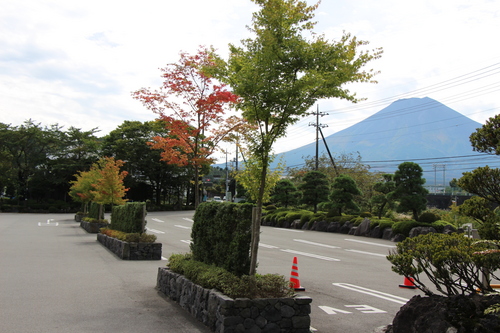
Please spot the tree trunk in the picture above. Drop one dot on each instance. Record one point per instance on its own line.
(256, 217)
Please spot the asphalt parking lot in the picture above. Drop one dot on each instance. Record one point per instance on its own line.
(55, 277)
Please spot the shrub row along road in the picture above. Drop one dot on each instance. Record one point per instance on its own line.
(349, 279)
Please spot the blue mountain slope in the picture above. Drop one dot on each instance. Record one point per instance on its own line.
(408, 129)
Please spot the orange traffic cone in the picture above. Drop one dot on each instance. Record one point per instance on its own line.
(408, 283)
(294, 276)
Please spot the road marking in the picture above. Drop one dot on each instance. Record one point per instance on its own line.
(291, 230)
(187, 219)
(366, 308)
(317, 244)
(163, 258)
(311, 255)
(155, 231)
(268, 246)
(182, 226)
(363, 308)
(371, 243)
(186, 241)
(331, 311)
(371, 292)
(158, 220)
(369, 253)
(48, 224)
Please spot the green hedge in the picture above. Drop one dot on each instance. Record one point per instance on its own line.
(221, 235)
(129, 218)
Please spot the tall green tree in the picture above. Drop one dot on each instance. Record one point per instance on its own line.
(344, 191)
(27, 147)
(409, 191)
(383, 188)
(148, 176)
(282, 71)
(314, 189)
(285, 193)
(483, 181)
(487, 138)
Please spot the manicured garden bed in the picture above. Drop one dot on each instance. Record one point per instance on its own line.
(221, 313)
(130, 250)
(93, 227)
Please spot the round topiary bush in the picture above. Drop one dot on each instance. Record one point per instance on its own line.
(428, 217)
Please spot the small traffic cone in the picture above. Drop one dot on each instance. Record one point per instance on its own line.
(294, 276)
(408, 283)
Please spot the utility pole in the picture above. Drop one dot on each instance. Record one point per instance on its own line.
(318, 126)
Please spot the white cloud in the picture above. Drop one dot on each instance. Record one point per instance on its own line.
(76, 63)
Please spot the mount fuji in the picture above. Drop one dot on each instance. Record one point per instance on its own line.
(421, 130)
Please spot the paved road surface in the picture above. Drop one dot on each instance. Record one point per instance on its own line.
(54, 277)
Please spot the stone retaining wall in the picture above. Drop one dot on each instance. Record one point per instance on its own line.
(131, 251)
(223, 314)
(93, 227)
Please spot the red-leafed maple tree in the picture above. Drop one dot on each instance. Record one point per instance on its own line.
(192, 104)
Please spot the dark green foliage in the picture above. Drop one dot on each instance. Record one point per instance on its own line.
(221, 235)
(270, 207)
(440, 224)
(94, 212)
(382, 224)
(453, 263)
(366, 214)
(381, 199)
(285, 193)
(409, 191)
(314, 189)
(404, 227)
(129, 218)
(344, 190)
(428, 217)
(213, 277)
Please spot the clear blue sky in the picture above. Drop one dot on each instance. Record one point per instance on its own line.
(76, 62)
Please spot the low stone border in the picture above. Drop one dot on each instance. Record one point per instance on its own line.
(131, 251)
(93, 227)
(224, 314)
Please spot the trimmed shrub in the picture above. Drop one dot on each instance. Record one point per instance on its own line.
(440, 224)
(213, 277)
(428, 217)
(221, 235)
(129, 218)
(404, 227)
(366, 214)
(453, 263)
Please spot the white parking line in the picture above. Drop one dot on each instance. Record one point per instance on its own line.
(317, 244)
(268, 246)
(371, 292)
(311, 255)
(369, 253)
(182, 226)
(155, 231)
(371, 243)
(158, 220)
(187, 241)
(185, 218)
(290, 230)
